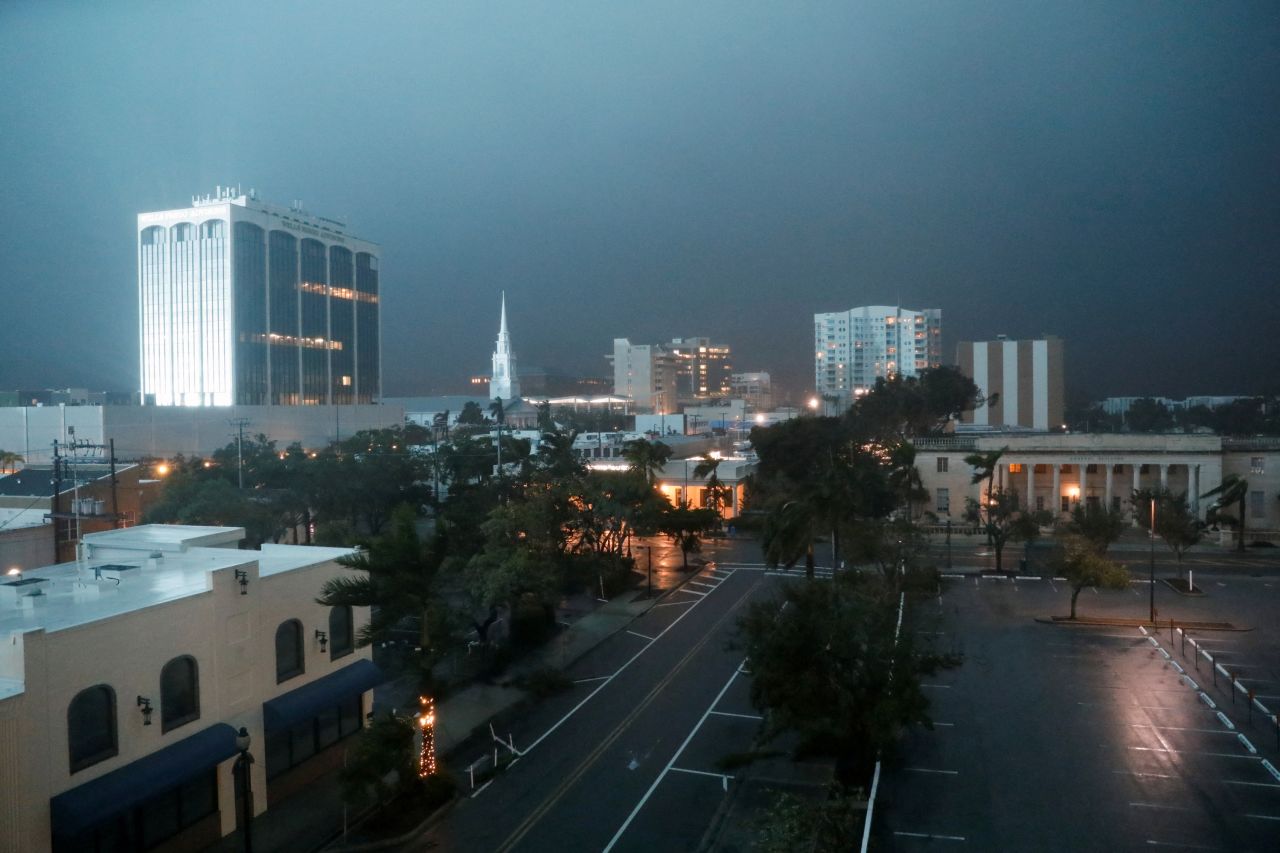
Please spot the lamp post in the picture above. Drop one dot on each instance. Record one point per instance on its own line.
(1152, 563)
(649, 572)
(242, 765)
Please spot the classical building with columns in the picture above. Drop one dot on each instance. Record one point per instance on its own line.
(1055, 471)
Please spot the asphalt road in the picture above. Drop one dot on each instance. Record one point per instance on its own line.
(1082, 738)
(626, 760)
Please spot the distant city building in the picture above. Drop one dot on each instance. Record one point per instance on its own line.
(755, 388)
(162, 432)
(854, 348)
(1023, 379)
(646, 373)
(128, 674)
(245, 303)
(703, 369)
(504, 383)
(67, 397)
(1121, 405)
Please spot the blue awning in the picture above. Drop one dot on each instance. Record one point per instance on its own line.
(310, 699)
(85, 806)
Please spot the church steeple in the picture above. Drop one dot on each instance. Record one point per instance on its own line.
(503, 383)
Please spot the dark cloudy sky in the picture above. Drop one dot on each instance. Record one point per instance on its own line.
(1106, 171)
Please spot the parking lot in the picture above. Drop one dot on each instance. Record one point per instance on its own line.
(1053, 737)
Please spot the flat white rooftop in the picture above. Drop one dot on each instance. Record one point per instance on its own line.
(119, 574)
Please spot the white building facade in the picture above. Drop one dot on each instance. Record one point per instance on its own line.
(247, 303)
(854, 348)
(644, 373)
(124, 679)
(1056, 472)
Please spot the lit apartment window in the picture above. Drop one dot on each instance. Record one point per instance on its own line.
(1257, 465)
(1015, 467)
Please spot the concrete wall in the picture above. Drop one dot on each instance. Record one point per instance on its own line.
(165, 431)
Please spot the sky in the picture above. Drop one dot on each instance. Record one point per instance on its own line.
(1108, 172)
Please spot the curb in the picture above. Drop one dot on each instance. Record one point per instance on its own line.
(1099, 621)
(430, 821)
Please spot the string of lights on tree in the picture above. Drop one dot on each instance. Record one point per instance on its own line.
(427, 721)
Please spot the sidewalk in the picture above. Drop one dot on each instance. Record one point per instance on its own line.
(314, 820)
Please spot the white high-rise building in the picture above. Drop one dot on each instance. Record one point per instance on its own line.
(646, 373)
(245, 303)
(854, 348)
(504, 384)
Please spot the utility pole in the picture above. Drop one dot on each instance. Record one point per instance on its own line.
(239, 424)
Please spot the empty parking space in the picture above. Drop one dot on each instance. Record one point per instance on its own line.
(1068, 738)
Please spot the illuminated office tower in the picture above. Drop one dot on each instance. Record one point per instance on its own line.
(246, 303)
(854, 348)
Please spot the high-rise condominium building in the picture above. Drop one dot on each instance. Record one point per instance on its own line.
(1022, 381)
(646, 373)
(854, 348)
(246, 303)
(703, 369)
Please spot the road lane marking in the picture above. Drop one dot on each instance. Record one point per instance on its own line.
(1189, 752)
(617, 672)
(1179, 729)
(743, 716)
(930, 836)
(595, 678)
(939, 686)
(586, 764)
(723, 777)
(1263, 817)
(931, 770)
(1251, 784)
(641, 636)
(723, 690)
(1158, 806)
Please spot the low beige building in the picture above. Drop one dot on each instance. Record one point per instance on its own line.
(125, 677)
(1057, 471)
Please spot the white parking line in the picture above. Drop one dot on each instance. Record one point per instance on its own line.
(723, 690)
(743, 716)
(641, 636)
(700, 583)
(606, 681)
(931, 770)
(674, 604)
(931, 836)
(1158, 806)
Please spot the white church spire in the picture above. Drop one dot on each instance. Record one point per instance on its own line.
(503, 383)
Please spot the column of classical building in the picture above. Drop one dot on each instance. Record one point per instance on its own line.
(1164, 476)
(1084, 482)
(1055, 505)
(1110, 476)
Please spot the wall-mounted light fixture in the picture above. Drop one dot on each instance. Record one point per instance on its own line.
(323, 638)
(242, 575)
(145, 704)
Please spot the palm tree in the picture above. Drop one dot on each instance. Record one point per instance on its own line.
(9, 461)
(789, 533)
(398, 581)
(555, 453)
(646, 458)
(984, 467)
(904, 476)
(707, 470)
(1232, 490)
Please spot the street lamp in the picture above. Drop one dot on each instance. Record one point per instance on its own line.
(649, 572)
(242, 765)
(1153, 560)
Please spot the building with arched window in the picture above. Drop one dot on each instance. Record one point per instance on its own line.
(245, 303)
(125, 677)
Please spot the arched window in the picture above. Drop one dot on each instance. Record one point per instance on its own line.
(288, 650)
(152, 235)
(181, 232)
(212, 230)
(179, 692)
(91, 726)
(341, 633)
